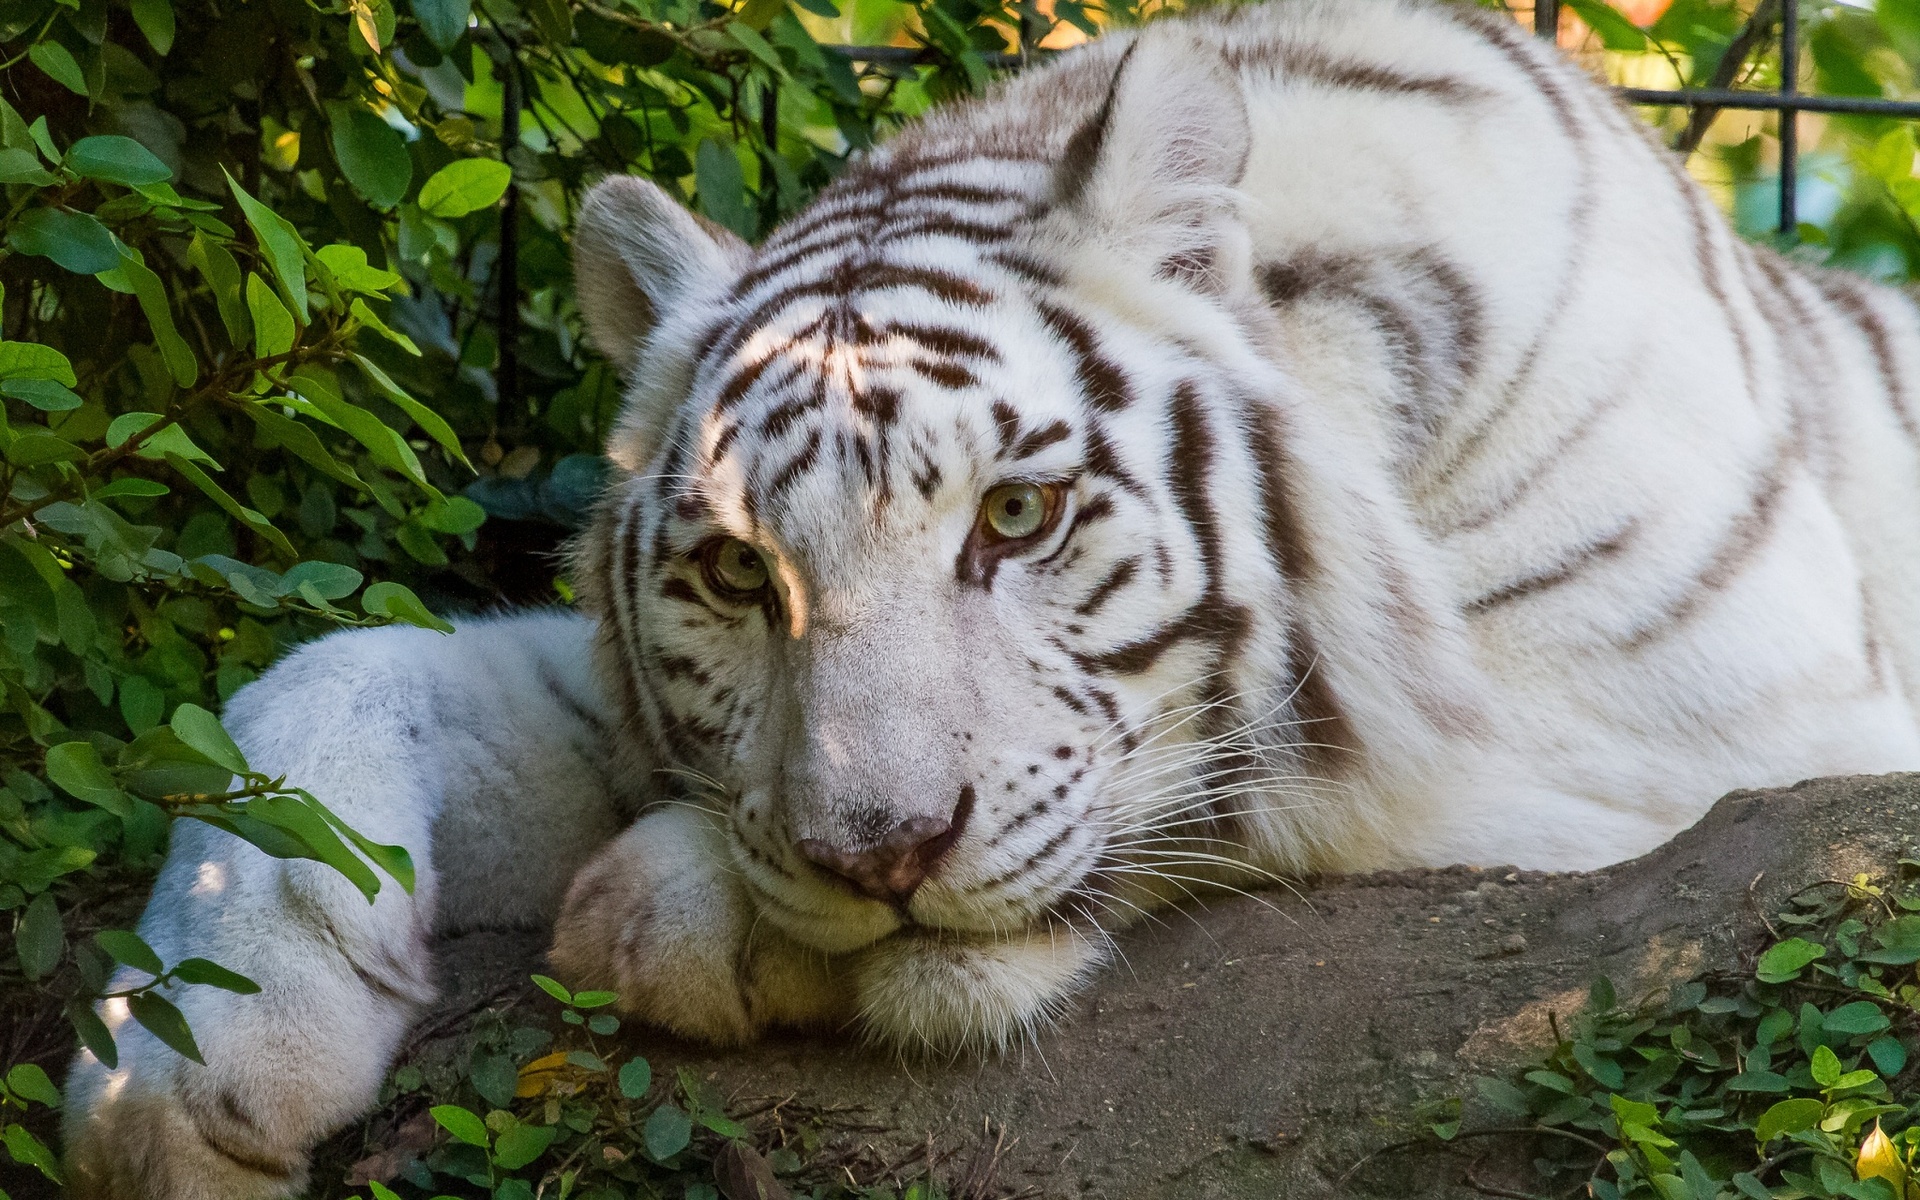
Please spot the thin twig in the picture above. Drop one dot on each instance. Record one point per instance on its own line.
(1490, 1189)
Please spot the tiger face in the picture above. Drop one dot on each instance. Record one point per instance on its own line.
(918, 575)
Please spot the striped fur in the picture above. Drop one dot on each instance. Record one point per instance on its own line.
(1440, 480)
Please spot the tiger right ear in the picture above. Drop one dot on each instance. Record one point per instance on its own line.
(639, 254)
(1153, 174)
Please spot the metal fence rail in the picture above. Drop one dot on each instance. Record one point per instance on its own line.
(1788, 101)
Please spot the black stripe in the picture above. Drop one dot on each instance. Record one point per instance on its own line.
(1566, 569)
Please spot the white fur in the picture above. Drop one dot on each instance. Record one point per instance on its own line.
(1601, 513)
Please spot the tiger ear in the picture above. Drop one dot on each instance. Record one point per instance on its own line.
(1154, 172)
(638, 254)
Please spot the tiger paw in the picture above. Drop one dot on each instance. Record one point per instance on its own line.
(658, 917)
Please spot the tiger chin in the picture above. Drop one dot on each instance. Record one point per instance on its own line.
(1292, 438)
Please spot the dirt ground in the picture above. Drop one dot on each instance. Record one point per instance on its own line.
(1266, 1046)
(1276, 1046)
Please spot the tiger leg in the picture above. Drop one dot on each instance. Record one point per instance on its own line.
(477, 752)
(660, 917)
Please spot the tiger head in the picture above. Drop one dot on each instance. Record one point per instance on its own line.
(943, 560)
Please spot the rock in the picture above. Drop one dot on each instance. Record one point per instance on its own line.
(1268, 1045)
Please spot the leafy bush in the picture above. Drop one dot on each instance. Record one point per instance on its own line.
(1794, 1079)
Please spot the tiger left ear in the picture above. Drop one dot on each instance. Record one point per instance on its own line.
(1154, 173)
(638, 254)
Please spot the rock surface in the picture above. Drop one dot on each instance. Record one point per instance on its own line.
(1266, 1045)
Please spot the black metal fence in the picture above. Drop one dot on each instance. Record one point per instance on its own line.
(1789, 101)
(1771, 16)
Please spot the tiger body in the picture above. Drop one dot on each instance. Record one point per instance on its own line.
(1428, 475)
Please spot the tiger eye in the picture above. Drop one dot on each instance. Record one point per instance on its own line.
(738, 567)
(1015, 510)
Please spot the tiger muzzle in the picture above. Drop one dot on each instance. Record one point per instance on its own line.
(893, 868)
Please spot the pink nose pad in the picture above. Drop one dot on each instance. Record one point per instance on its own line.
(894, 869)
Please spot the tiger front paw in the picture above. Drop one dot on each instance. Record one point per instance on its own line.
(659, 917)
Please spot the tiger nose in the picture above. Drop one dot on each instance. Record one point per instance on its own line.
(894, 868)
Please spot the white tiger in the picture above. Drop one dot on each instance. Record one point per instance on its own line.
(1307, 437)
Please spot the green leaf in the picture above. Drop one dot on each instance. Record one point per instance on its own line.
(159, 1017)
(431, 423)
(39, 939)
(443, 21)
(31, 360)
(1859, 1017)
(594, 999)
(1616, 33)
(42, 139)
(372, 320)
(331, 580)
(553, 19)
(233, 508)
(520, 1144)
(170, 440)
(130, 949)
(636, 1076)
(743, 35)
(461, 1124)
(19, 165)
(352, 272)
(116, 159)
(319, 398)
(1767, 1082)
(59, 65)
(1889, 1055)
(394, 600)
(74, 240)
(281, 245)
(39, 449)
(721, 187)
(131, 486)
(30, 1151)
(493, 1076)
(667, 1132)
(1825, 1066)
(29, 1082)
(1604, 1071)
(463, 186)
(394, 860)
(152, 294)
(217, 266)
(75, 767)
(212, 974)
(1634, 1112)
(201, 730)
(371, 153)
(301, 441)
(1784, 962)
(553, 987)
(155, 19)
(273, 327)
(36, 870)
(93, 1033)
(47, 395)
(299, 816)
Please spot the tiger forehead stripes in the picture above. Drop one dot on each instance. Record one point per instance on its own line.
(1320, 435)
